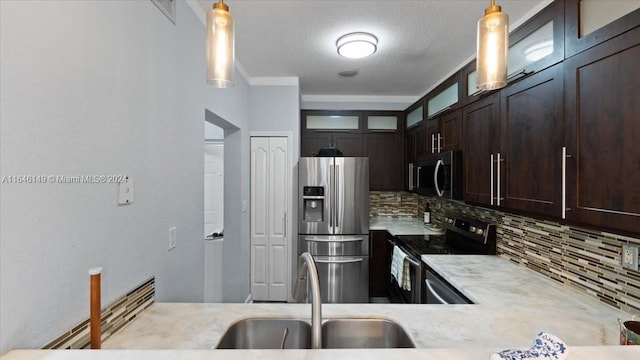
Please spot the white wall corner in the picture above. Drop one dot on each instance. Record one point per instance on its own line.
(198, 10)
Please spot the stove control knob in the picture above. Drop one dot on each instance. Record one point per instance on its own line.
(479, 231)
(450, 220)
(472, 229)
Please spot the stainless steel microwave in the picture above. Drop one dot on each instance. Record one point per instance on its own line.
(438, 175)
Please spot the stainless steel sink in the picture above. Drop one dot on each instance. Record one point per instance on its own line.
(265, 333)
(364, 333)
(257, 333)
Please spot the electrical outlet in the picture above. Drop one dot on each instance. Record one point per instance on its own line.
(172, 238)
(630, 257)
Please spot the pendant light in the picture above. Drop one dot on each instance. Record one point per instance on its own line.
(493, 47)
(220, 46)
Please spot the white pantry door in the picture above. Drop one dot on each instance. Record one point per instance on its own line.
(269, 238)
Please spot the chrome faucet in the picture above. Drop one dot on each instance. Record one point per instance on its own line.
(306, 260)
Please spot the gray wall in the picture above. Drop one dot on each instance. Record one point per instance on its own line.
(100, 88)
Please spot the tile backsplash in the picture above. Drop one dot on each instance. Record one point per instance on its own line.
(584, 259)
(113, 317)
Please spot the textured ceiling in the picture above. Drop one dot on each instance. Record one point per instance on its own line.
(419, 42)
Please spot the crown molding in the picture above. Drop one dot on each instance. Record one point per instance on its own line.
(274, 81)
(359, 98)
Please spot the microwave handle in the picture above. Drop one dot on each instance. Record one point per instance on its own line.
(435, 177)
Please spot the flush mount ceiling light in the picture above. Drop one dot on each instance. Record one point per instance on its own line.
(493, 47)
(357, 45)
(220, 46)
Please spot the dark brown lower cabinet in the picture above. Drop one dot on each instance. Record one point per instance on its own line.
(531, 116)
(379, 276)
(602, 109)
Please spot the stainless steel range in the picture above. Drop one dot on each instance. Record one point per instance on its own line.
(462, 237)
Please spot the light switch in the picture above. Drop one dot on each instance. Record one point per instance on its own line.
(125, 191)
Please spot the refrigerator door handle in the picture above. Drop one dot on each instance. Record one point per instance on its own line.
(332, 197)
(338, 260)
(326, 239)
(337, 195)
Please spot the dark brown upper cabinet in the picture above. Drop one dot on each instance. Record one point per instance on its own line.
(383, 141)
(415, 114)
(532, 131)
(378, 135)
(341, 129)
(603, 130)
(482, 146)
(444, 97)
(589, 23)
(331, 121)
(443, 118)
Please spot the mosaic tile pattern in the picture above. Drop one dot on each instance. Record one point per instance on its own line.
(584, 259)
(396, 204)
(116, 315)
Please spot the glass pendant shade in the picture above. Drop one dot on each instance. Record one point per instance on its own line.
(493, 47)
(220, 46)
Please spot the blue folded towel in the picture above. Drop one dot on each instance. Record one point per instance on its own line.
(546, 346)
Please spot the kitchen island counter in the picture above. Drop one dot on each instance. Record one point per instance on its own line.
(513, 304)
(574, 353)
(507, 315)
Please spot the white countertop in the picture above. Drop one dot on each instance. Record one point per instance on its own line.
(513, 304)
(573, 353)
(401, 226)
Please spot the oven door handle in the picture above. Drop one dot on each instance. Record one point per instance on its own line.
(409, 259)
(413, 262)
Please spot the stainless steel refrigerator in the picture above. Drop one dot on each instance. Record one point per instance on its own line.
(334, 224)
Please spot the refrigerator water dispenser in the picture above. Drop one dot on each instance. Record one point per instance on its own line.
(313, 206)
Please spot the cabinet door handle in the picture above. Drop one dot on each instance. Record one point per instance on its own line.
(418, 181)
(410, 176)
(498, 182)
(439, 145)
(433, 143)
(491, 176)
(564, 182)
